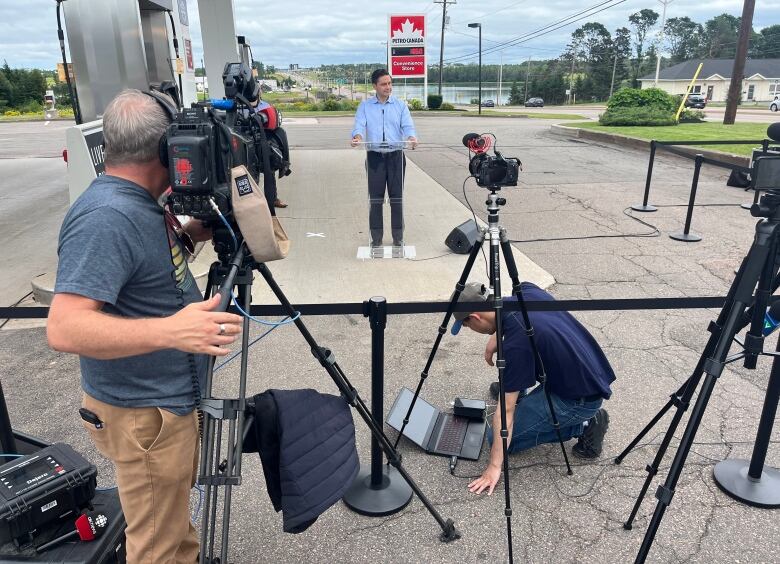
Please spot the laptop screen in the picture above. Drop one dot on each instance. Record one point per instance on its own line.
(420, 420)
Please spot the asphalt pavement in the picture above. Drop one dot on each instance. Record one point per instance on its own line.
(569, 216)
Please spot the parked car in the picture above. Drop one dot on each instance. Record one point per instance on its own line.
(488, 104)
(696, 101)
(534, 103)
(774, 105)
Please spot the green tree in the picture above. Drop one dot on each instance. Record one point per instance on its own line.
(62, 95)
(648, 64)
(766, 44)
(515, 98)
(682, 36)
(642, 21)
(720, 36)
(622, 50)
(6, 92)
(594, 44)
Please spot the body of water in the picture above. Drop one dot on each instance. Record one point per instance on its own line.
(454, 94)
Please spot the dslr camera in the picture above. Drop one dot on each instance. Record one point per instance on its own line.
(490, 171)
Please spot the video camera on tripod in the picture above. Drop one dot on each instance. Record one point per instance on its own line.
(490, 171)
(206, 141)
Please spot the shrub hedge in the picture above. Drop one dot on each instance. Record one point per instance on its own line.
(637, 116)
(434, 101)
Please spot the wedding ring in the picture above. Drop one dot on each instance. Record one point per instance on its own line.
(221, 329)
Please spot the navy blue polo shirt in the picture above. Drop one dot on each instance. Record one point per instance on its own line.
(576, 366)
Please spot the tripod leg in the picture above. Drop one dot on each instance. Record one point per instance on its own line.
(498, 306)
(326, 359)
(541, 376)
(753, 267)
(443, 328)
(674, 399)
(681, 402)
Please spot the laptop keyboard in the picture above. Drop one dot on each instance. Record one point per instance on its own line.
(451, 438)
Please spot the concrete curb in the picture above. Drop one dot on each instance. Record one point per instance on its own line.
(635, 143)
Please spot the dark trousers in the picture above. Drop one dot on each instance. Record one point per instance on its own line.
(385, 171)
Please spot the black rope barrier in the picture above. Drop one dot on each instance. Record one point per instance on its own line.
(699, 160)
(412, 308)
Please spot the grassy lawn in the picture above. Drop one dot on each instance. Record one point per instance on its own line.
(287, 113)
(707, 131)
(535, 115)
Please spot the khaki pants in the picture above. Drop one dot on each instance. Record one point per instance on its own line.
(155, 454)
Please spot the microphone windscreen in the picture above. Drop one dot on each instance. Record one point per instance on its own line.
(468, 138)
(91, 525)
(773, 131)
(84, 528)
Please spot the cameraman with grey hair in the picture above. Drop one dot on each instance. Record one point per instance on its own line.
(127, 304)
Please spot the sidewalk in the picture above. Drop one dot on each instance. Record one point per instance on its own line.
(327, 221)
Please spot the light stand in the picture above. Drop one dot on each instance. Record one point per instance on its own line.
(479, 25)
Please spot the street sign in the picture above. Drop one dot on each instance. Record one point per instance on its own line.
(406, 45)
(61, 72)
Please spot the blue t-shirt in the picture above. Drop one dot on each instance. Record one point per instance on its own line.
(573, 361)
(114, 247)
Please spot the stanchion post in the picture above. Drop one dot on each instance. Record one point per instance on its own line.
(750, 481)
(378, 489)
(686, 234)
(644, 207)
(377, 315)
(7, 440)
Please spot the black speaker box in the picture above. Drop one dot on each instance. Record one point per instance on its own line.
(462, 238)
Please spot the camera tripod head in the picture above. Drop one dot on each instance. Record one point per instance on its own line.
(768, 206)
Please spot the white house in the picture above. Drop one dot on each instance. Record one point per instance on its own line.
(761, 82)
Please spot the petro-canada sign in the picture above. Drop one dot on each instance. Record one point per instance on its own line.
(406, 45)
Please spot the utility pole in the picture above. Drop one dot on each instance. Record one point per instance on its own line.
(660, 42)
(479, 26)
(735, 88)
(614, 68)
(571, 78)
(500, 76)
(441, 48)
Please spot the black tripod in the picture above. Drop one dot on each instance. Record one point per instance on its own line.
(499, 244)
(227, 473)
(759, 271)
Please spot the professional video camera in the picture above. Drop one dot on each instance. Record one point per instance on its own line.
(206, 141)
(490, 171)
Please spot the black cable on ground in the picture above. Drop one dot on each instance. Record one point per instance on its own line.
(20, 300)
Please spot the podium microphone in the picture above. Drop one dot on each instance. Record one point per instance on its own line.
(89, 526)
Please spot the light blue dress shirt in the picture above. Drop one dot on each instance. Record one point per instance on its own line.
(384, 126)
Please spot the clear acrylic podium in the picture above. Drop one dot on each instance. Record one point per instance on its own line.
(385, 165)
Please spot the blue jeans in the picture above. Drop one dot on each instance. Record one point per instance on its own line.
(533, 424)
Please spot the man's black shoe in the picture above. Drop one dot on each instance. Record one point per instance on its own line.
(592, 439)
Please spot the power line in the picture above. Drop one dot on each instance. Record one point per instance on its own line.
(492, 12)
(547, 28)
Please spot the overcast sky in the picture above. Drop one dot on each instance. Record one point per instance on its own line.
(314, 32)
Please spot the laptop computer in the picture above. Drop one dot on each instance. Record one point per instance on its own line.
(436, 432)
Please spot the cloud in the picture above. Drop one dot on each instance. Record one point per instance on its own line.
(314, 32)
